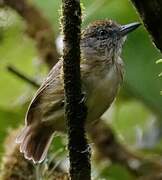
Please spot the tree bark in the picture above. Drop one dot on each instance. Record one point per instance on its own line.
(75, 109)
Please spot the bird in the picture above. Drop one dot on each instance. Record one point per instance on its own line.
(102, 71)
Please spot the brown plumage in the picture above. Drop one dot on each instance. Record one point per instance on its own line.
(101, 75)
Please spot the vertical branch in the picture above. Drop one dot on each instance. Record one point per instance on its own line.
(75, 109)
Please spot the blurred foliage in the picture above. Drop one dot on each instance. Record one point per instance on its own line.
(139, 103)
(116, 172)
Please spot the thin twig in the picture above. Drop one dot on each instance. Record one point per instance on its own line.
(21, 75)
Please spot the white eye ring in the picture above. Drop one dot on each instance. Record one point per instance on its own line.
(103, 32)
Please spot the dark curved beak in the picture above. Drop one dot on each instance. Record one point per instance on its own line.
(125, 29)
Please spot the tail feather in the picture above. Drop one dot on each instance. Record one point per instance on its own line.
(34, 142)
(22, 134)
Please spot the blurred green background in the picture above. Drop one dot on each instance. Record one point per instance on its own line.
(136, 115)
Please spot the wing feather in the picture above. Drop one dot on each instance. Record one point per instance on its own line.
(50, 96)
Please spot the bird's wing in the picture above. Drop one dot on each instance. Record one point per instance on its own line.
(48, 98)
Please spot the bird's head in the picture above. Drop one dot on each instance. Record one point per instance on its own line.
(103, 39)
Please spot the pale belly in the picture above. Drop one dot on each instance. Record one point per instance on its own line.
(102, 94)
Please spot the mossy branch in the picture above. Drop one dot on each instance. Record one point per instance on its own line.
(75, 109)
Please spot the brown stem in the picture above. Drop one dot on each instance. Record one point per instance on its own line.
(109, 147)
(38, 28)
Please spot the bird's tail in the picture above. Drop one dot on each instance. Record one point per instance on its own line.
(34, 142)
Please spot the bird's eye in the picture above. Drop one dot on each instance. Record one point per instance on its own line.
(102, 32)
